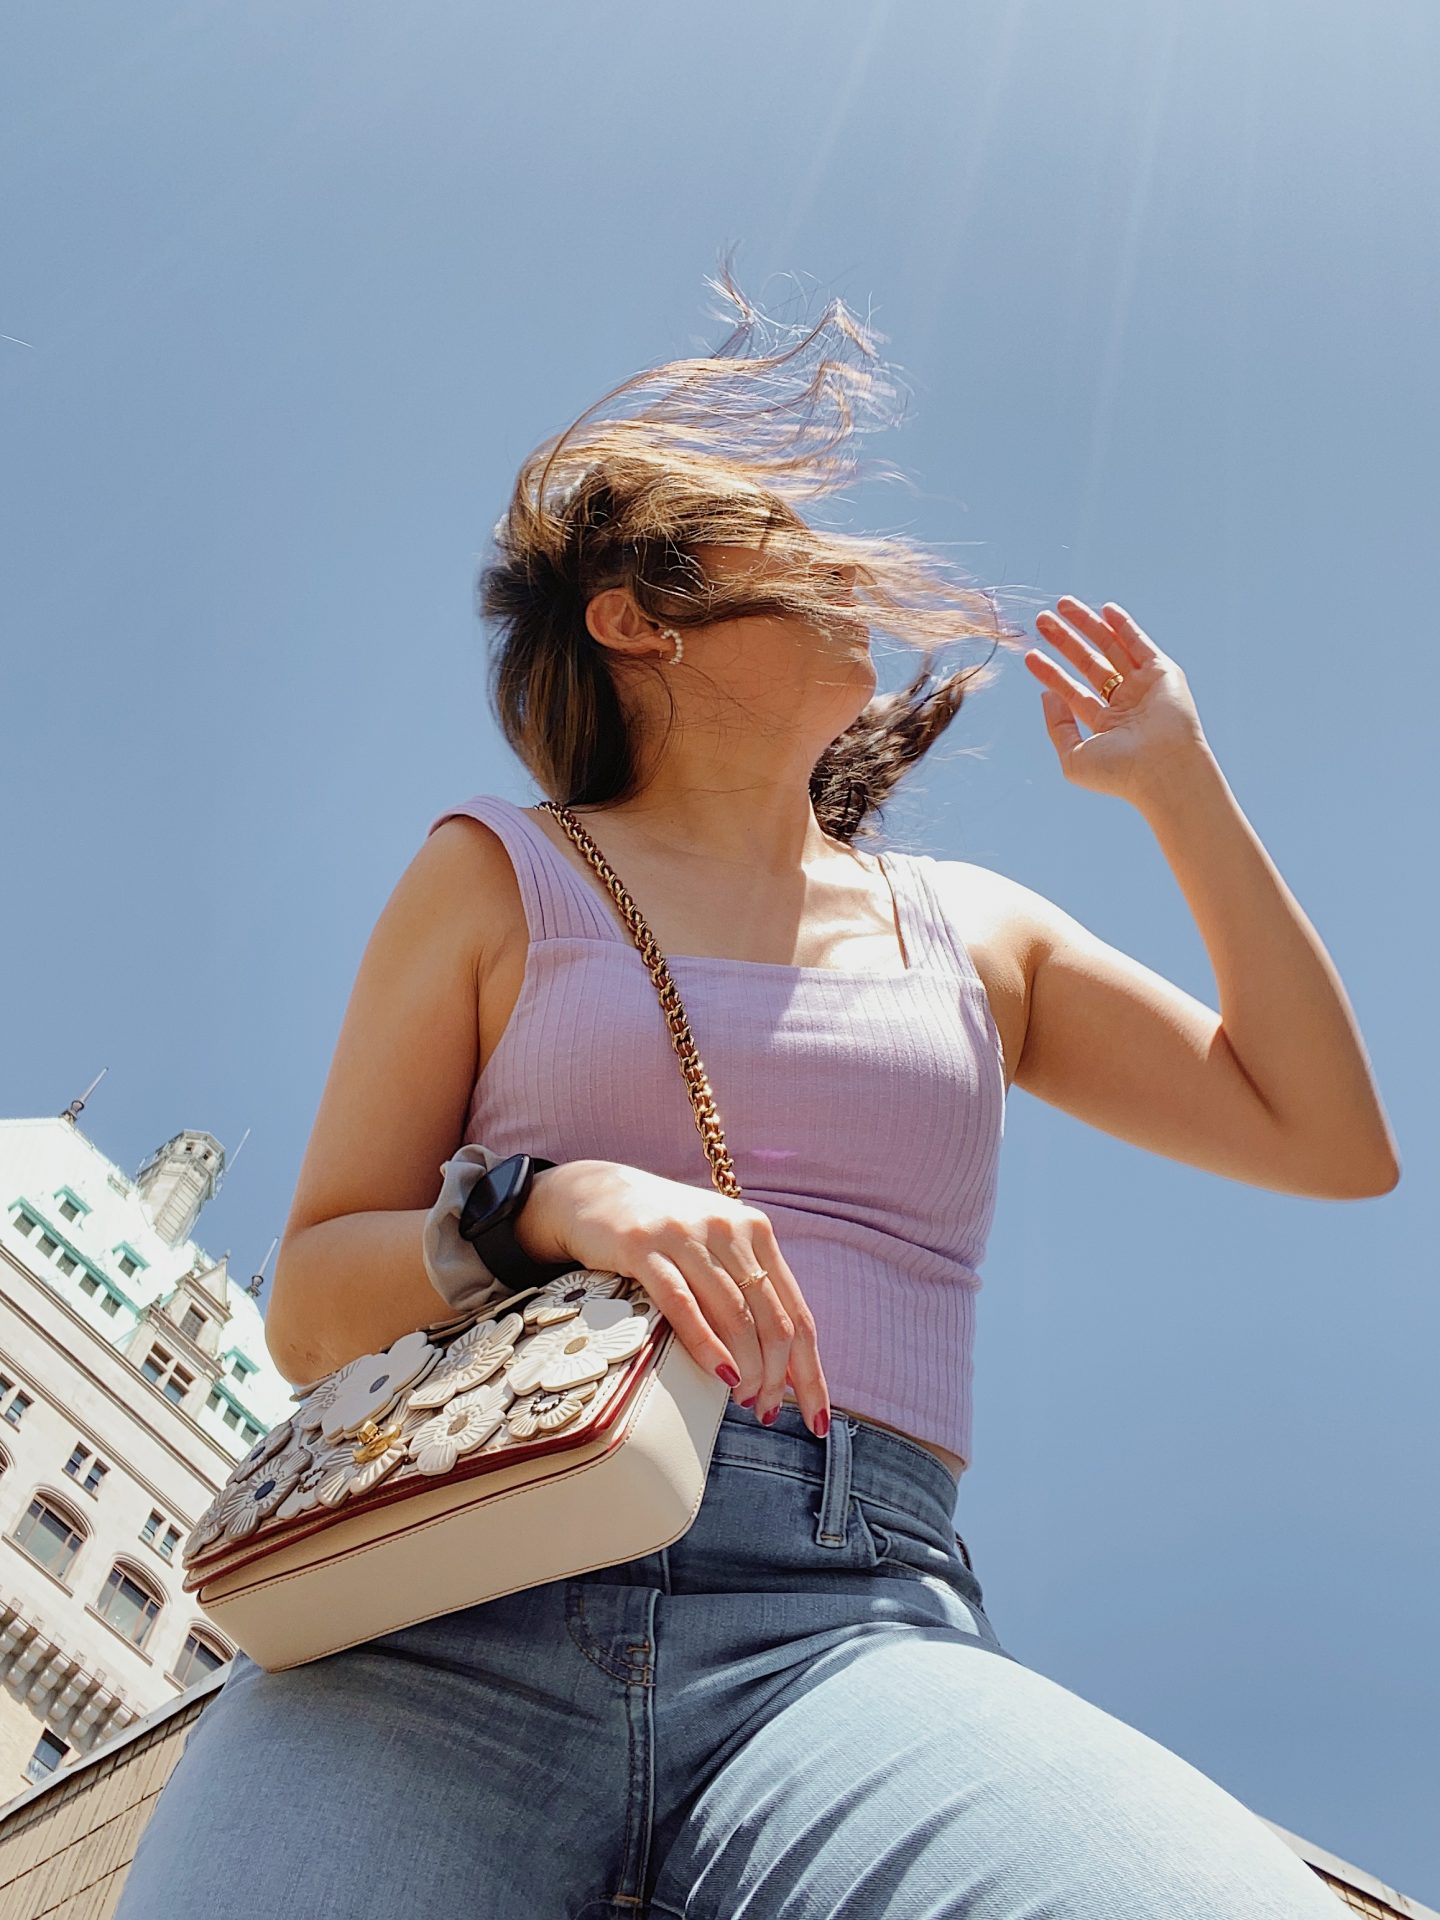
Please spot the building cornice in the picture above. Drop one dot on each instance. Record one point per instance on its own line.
(224, 1461)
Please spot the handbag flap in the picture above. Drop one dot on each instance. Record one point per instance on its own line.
(502, 1391)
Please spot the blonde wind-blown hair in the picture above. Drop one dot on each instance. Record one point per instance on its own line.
(711, 451)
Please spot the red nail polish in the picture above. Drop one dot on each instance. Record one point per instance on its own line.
(751, 1401)
(729, 1376)
(822, 1422)
(768, 1416)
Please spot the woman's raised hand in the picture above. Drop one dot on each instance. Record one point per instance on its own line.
(687, 1247)
(1149, 718)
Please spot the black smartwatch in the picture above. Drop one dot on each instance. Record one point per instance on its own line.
(487, 1218)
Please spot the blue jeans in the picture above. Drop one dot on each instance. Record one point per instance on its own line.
(797, 1711)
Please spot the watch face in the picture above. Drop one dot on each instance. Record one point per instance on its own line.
(505, 1182)
(492, 1199)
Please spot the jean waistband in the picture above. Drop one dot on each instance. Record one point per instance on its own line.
(854, 1457)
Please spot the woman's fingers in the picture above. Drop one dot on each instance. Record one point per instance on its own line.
(1096, 662)
(729, 1309)
(674, 1295)
(764, 1331)
(783, 1337)
(1083, 704)
(801, 1358)
(1142, 649)
(776, 1330)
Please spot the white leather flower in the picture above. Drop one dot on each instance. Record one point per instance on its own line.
(349, 1476)
(373, 1384)
(468, 1362)
(245, 1503)
(465, 1423)
(581, 1349)
(206, 1530)
(265, 1448)
(305, 1493)
(562, 1299)
(546, 1412)
(321, 1397)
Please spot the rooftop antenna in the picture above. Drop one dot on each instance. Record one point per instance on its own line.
(73, 1111)
(229, 1161)
(257, 1280)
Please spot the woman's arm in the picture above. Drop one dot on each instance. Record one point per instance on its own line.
(351, 1274)
(1276, 1088)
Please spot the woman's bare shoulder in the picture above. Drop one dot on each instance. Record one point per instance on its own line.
(990, 908)
(468, 869)
(1006, 927)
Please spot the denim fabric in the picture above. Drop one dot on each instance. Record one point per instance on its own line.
(799, 1710)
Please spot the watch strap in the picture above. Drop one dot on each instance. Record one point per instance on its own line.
(487, 1223)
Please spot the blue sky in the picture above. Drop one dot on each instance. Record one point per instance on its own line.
(290, 291)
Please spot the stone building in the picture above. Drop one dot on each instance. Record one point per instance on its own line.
(133, 1374)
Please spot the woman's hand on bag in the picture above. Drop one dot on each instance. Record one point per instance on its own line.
(687, 1247)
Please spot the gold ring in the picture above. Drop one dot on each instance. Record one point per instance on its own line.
(1110, 686)
(761, 1275)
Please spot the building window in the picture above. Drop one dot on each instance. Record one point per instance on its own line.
(50, 1750)
(215, 1398)
(194, 1323)
(197, 1659)
(47, 1244)
(242, 1368)
(25, 1224)
(49, 1536)
(89, 1284)
(129, 1264)
(67, 1263)
(69, 1209)
(128, 1606)
(109, 1304)
(15, 1408)
(163, 1371)
(159, 1533)
(85, 1467)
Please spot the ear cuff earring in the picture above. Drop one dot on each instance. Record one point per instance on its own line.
(679, 639)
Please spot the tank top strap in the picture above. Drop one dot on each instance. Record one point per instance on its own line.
(559, 904)
(934, 940)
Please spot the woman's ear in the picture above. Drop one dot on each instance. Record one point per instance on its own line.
(613, 619)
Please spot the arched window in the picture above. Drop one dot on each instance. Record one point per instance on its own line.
(50, 1532)
(200, 1655)
(129, 1603)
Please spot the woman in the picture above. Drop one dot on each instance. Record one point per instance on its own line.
(801, 1706)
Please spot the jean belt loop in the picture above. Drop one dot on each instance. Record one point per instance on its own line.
(832, 1526)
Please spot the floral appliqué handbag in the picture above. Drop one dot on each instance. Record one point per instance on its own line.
(563, 1430)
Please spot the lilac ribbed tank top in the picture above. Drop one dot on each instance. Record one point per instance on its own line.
(863, 1111)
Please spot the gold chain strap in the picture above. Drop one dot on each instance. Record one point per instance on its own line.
(707, 1116)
